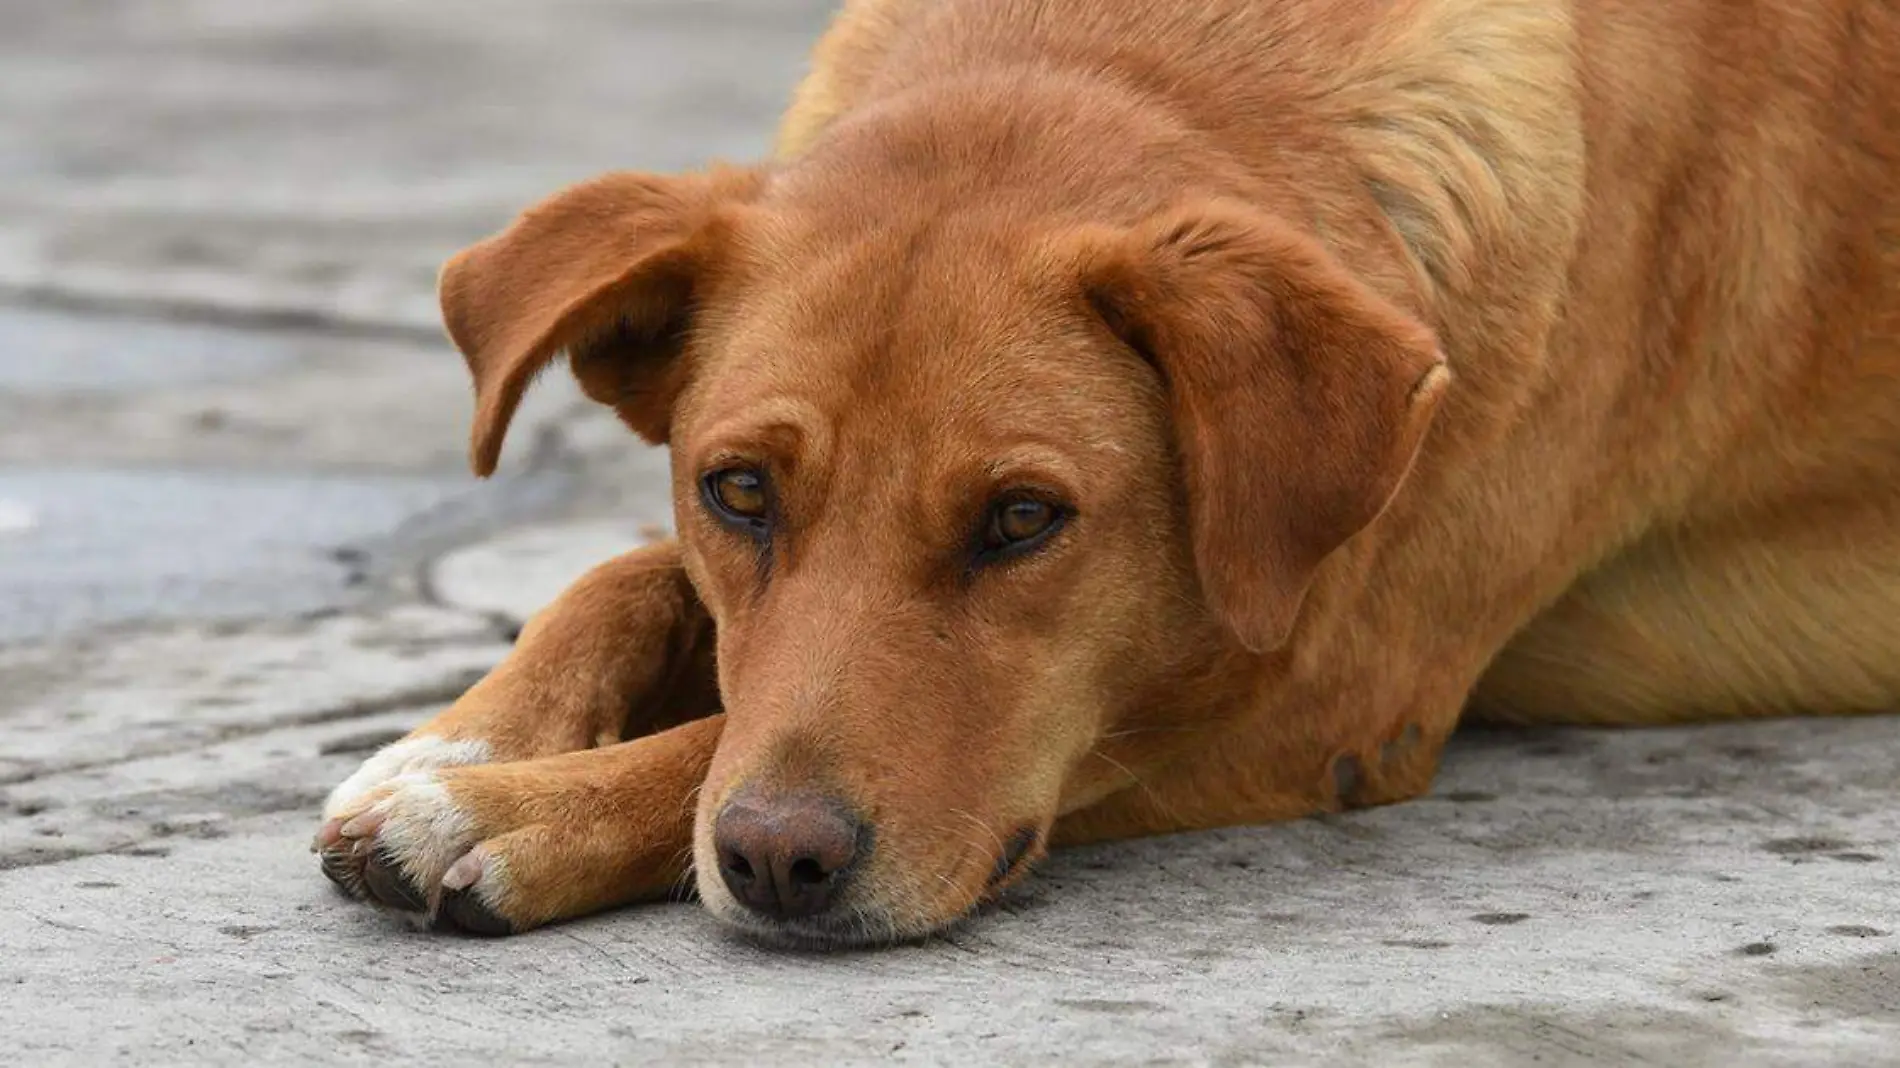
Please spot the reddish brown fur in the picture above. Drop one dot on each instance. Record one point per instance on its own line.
(1398, 357)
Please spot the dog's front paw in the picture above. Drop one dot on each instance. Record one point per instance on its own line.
(412, 846)
(416, 753)
(503, 847)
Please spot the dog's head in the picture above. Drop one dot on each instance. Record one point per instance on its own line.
(967, 491)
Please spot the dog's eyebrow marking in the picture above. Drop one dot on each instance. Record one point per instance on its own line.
(791, 426)
(1035, 459)
(1030, 462)
(754, 442)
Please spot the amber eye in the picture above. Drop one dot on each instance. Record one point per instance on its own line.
(1021, 520)
(738, 496)
(1018, 524)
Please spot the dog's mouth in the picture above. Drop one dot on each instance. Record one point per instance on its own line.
(1015, 851)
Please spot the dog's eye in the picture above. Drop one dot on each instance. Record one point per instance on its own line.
(1021, 521)
(738, 495)
(1017, 525)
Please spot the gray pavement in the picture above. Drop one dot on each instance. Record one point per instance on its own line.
(238, 551)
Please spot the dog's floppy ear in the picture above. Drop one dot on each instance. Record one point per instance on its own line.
(1299, 397)
(607, 270)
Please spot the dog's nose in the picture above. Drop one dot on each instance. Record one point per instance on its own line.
(785, 855)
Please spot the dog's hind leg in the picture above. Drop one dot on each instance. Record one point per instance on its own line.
(1799, 616)
(626, 651)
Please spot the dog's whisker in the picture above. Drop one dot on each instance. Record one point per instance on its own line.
(976, 846)
(1134, 732)
(691, 801)
(686, 876)
(1136, 780)
(1001, 847)
(683, 884)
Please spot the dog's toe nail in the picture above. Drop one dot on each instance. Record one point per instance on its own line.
(390, 886)
(362, 826)
(464, 911)
(327, 835)
(463, 873)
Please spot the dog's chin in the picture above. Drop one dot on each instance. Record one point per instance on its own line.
(845, 929)
(823, 934)
(848, 926)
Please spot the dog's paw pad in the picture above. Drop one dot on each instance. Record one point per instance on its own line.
(464, 910)
(341, 863)
(466, 887)
(390, 885)
(420, 847)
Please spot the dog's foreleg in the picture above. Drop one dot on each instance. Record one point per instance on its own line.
(625, 651)
(500, 848)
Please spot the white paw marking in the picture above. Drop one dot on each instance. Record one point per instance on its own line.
(401, 758)
(423, 829)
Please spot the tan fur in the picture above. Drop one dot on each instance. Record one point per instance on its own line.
(844, 57)
(1194, 268)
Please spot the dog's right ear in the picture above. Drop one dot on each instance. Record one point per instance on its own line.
(608, 270)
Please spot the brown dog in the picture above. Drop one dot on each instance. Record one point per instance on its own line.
(1107, 417)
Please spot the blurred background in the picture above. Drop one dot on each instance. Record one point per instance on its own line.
(224, 391)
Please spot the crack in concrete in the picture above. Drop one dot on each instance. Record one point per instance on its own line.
(52, 297)
(361, 709)
(150, 844)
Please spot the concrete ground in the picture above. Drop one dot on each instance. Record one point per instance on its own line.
(238, 550)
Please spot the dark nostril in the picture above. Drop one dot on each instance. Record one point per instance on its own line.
(806, 872)
(738, 866)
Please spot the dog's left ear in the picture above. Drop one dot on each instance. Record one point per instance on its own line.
(609, 270)
(1299, 397)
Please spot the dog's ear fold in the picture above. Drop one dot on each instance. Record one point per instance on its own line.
(607, 270)
(1299, 397)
